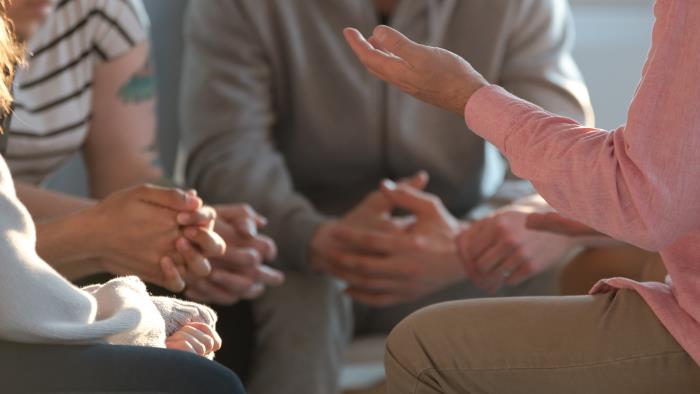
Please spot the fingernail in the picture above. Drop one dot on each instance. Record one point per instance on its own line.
(389, 184)
(183, 218)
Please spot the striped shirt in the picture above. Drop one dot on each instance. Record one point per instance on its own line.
(53, 92)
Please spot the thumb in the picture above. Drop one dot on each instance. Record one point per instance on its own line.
(413, 200)
(392, 41)
(418, 181)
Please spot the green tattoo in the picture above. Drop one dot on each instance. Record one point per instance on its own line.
(140, 87)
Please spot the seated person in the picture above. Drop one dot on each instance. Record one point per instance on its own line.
(55, 337)
(637, 183)
(88, 88)
(276, 112)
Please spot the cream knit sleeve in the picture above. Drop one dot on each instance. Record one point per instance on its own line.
(37, 305)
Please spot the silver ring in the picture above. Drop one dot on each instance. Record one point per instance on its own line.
(506, 273)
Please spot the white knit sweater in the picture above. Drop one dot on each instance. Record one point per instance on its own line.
(37, 305)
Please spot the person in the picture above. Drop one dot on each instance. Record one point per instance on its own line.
(267, 120)
(88, 87)
(51, 322)
(637, 183)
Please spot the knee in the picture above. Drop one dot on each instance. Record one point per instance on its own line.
(198, 374)
(307, 300)
(406, 345)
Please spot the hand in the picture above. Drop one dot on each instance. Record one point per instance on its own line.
(197, 338)
(131, 231)
(240, 273)
(383, 269)
(500, 250)
(372, 213)
(433, 75)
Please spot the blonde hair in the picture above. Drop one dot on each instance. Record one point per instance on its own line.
(10, 58)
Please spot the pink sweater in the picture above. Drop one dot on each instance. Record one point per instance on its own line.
(639, 183)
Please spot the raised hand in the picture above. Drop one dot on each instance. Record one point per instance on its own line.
(433, 75)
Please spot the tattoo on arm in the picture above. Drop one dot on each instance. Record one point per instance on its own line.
(140, 87)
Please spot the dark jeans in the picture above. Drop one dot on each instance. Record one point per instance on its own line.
(110, 369)
(236, 326)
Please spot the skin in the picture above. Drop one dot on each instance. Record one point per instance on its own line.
(202, 243)
(197, 338)
(492, 249)
(378, 255)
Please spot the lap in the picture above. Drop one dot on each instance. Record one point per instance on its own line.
(109, 368)
(605, 344)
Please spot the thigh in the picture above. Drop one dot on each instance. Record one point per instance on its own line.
(236, 325)
(108, 369)
(586, 344)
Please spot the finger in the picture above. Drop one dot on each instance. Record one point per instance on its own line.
(506, 270)
(196, 263)
(204, 216)
(374, 241)
(192, 340)
(492, 259)
(476, 239)
(210, 332)
(233, 283)
(209, 243)
(171, 276)
(521, 274)
(394, 42)
(366, 283)
(206, 291)
(368, 265)
(203, 334)
(270, 276)
(413, 200)
(174, 199)
(243, 257)
(418, 181)
(243, 217)
(177, 343)
(254, 292)
(376, 61)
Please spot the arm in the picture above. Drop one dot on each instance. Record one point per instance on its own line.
(38, 306)
(120, 150)
(538, 67)
(633, 183)
(228, 116)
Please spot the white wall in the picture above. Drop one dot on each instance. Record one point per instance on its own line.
(613, 37)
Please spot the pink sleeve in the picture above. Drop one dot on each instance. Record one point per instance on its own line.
(639, 183)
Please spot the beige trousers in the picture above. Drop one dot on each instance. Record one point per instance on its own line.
(600, 344)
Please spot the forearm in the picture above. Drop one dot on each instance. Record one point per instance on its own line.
(65, 244)
(46, 204)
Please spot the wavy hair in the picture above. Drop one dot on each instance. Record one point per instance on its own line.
(10, 57)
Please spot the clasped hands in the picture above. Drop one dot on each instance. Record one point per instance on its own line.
(170, 238)
(387, 259)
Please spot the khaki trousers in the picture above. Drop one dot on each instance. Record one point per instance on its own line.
(609, 343)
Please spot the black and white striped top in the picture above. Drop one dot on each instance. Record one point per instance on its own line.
(53, 93)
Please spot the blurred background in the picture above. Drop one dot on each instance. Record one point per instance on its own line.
(613, 37)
